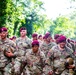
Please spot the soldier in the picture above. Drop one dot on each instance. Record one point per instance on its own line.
(47, 44)
(13, 38)
(56, 37)
(44, 39)
(23, 42)
(0, 33)
(40, 39)
(7, 49)
(35, 60)
(34, 36)
(70, 44)
(58, 54)
(23, 45)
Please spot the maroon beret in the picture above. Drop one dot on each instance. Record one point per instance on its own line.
(0, 30)
(56, 36)
(10, 38)
(72, 41)
(47, 35)
(39, 36)
(22, 28)
(14, 37)
(61, 39)
(34, 35)
(35, 42)
(3, 29)
(68, 40)
(43, 37)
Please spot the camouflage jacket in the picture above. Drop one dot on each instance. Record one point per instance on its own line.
(46, 47)
(6, 45)
(23, 45)
(35, 62)
(57, 56)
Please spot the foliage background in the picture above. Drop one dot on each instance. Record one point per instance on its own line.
(27, 13)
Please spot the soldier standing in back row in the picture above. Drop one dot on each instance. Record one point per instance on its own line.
(47, 44)
(34, 36)
(23, 44)
(0, 33)
(7, 49)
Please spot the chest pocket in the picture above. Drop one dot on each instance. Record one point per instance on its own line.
(34, 59)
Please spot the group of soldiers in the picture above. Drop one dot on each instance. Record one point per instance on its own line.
(41, 55)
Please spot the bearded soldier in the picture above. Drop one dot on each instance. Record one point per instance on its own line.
(34, 36)
(7, 49)
(58, 56)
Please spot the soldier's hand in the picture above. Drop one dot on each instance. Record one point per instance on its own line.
(50, 73)
(71, 66)
(9, 54)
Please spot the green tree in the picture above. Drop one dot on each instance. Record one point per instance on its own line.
(30, 11)
(63, 25)
(18, 13)
(3, 6)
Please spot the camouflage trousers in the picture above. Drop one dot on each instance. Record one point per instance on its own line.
(31, 71)
(47, 69)
(7, 70)
(17, 66)
(68, 72)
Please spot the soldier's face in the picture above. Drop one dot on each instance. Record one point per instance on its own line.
(23, 32)
(62, 44)
(41, 38)
(34, 38)
(3, 35)
(35, 48)
(49, 39)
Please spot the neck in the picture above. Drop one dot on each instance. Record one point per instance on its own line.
(23, 36)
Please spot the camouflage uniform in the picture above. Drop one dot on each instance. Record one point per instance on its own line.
(23, 46)
(71, 45)
(6, 63)
(46, 47)
(58, 60)
(35, 63)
